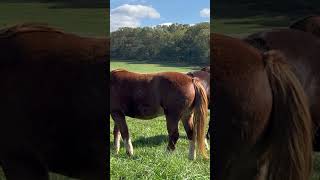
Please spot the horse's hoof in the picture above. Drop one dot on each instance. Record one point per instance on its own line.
(192, 156)
(206, 144)
(117, 151)
(170, 149)
(129, 153)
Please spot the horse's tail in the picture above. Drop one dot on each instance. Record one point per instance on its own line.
(289, 147)
(200, 116)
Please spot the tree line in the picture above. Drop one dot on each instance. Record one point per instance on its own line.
(177, 42)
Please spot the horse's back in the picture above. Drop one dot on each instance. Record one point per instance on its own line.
(48, 43)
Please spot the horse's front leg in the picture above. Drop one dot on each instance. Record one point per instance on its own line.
(117, 137)
(120, 123)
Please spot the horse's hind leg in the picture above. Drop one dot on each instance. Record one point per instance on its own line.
(120, 121)
(117, 136)
(24, 166)
(172, 127)
(188, 126)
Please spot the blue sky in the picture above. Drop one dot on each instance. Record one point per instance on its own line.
(137, 13)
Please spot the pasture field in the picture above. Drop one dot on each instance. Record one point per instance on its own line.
(239, 27)
(149, 139)
(242, 26)
(80, 20)
(83, 21)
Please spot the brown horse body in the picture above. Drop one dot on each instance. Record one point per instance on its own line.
(261, 118)
(309, 24)
(147, 96)
(53, 104)
(303, 53)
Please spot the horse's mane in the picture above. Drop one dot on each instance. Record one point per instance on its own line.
(27, 27)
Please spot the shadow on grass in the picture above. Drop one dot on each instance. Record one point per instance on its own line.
(152, 141)
(192, 66)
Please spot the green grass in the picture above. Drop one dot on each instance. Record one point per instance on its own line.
(149, 139)
(149, 67)
(82, 21)
(246, 25)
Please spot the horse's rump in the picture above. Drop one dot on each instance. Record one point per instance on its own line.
(302, 53)
(247, 115)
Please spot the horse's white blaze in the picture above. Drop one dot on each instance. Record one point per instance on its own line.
(192, 148)
(128, 146)
(117, 142)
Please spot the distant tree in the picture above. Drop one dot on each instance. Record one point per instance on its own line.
(177, 42)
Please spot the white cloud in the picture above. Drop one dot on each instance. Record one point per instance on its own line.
(205, 13)
(130, 15)
(166, 24)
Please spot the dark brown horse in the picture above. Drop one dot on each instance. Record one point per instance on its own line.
(53, 103)
(204, 76)
(262, 125)
(303, 53)
(146, 96)
(309, 24)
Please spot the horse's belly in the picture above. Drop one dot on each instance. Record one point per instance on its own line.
(148, 112)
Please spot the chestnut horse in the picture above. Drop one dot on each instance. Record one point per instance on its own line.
(204, 76)
(53, 103)
(262, 125)
(303, 53)
(309, 24)
(146, 96)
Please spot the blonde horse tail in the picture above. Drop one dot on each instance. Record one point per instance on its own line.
(200, 116)
(289, 148)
